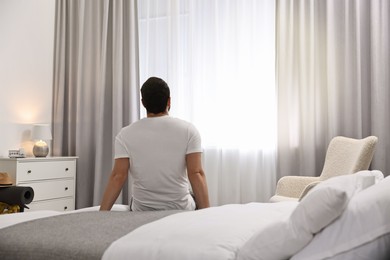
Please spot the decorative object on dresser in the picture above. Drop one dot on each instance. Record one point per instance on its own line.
(16, 153)
(52, 179)
(41, 133)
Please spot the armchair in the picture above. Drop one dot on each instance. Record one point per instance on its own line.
(344, 156)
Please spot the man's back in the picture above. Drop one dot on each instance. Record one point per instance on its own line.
(157, 151)
(157, 148)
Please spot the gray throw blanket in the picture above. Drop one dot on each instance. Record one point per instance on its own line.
(84, 235)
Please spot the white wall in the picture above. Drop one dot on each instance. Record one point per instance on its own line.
(26, 70)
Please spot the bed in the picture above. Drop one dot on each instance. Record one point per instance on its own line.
(345, 217)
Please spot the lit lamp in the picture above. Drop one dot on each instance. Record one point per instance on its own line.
(41, 133)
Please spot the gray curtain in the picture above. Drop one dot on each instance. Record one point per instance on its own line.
(96, 87)
(333, 67)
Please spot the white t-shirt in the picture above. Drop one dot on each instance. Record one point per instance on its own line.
(156, 148)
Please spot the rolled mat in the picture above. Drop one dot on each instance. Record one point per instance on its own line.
(17, 195)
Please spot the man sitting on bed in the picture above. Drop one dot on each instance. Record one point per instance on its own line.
(161, 153)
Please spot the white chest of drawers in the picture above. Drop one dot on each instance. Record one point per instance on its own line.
(52, 178)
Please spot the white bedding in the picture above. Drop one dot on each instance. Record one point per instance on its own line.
(199, 234)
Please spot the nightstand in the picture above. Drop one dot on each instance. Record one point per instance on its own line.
(52, 178)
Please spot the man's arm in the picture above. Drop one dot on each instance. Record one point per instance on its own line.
(115, 183)
(197, 179)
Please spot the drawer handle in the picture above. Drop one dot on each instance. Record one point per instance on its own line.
(66, 188)
(29, 171)
(66, 207)
(66, 169)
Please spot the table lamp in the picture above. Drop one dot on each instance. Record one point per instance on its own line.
(41, 133)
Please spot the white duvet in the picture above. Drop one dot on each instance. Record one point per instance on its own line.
(213, 233)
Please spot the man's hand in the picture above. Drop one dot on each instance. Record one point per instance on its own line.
(197, 179)
(115, 184)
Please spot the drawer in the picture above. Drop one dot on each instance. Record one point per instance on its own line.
(52, 189)
(28, 171)
(65, 204)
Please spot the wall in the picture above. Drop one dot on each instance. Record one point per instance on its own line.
(26, 70)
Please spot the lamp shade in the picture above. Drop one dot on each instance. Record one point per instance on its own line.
(41, 132)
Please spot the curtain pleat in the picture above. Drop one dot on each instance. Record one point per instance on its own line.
(332, 79)
(96, 87)
(380, 80)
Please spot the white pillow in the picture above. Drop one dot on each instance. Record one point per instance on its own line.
(364, 222)
(283, 239)
(327, 200)
(323, 204)
(360, 180)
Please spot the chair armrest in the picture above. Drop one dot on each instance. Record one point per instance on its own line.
(292, 186)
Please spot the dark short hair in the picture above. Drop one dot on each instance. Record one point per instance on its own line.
(155, 94)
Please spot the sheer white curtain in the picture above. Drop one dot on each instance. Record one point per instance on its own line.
(96, 87)
(218, 58)
(332, 78)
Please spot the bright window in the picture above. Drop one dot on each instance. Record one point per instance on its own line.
(218, 58)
